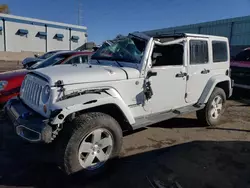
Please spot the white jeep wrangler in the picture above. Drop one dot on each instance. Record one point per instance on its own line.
(133, 82)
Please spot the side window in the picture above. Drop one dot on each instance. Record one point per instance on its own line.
(74, 60)
(84, 59)
(169, 55)
(198, 52)
(219, 51)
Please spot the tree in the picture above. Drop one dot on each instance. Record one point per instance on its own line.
(4, 9)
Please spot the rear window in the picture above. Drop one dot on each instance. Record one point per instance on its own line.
(220, 53)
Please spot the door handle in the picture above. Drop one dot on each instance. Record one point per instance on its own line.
(205, 71)
(181, 74)
(150, 73)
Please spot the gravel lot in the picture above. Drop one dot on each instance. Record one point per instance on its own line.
(179, 151)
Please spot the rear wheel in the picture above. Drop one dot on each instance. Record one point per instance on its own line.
(93, 140)
(214, 109)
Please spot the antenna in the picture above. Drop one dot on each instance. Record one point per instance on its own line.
(80, 11)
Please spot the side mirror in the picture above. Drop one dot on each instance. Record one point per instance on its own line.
(151, 73)
(153, 58)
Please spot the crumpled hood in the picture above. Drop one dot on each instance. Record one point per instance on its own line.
(83, 73)
(13, 74)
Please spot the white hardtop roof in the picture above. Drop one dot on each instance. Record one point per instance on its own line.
(179, 35)
(204, 36)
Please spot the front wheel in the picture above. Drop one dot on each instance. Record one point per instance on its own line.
(214, 109)
(94, 139)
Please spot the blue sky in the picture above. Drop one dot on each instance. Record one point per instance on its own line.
(106, 19)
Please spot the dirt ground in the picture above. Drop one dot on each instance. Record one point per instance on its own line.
(12, 60)
(9, 65)
(177, 153)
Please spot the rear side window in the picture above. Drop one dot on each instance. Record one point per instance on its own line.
(198, 52)
(219, 51)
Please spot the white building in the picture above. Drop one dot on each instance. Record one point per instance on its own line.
(26, 34)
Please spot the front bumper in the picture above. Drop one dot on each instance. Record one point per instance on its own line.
(28, 124)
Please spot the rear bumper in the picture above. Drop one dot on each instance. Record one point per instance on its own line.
(28, 124)
(242, 86)
(231, 89)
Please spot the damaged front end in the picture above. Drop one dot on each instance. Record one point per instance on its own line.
(28, 124)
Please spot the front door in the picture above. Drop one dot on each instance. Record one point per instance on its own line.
(199, 71)
(168, 82)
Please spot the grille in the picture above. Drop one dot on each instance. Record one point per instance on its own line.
(32, 91)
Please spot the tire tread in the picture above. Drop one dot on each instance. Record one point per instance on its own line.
(203, 116)
(69, 137)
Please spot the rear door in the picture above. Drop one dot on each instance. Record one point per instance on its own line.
(199, 72)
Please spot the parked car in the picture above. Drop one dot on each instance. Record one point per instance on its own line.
(135, 81)
(10, 82)
(29, 61)
(240, 69)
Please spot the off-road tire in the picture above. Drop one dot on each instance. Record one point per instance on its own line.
(72, 134)
(204, 115)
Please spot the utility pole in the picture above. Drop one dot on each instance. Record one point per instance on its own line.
(80, 11)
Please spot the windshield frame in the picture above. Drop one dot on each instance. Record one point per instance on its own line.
(145, 60)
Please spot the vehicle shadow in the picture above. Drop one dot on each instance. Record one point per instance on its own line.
(228, 129)
(241, 95)
(179, 122)
(201, 164)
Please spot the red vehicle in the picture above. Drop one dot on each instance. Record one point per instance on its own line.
(10, 82)
(240, 69)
